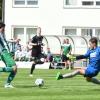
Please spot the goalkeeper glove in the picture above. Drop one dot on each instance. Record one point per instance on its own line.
(71, 57)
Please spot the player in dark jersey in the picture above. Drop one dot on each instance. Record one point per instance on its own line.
(93, 67)
(36, 44)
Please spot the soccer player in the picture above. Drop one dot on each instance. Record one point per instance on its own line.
(36, 44)
(6, 58)
(93, 67)
(66, 49)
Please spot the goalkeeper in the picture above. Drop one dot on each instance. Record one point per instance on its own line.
(93, 67)
(6, 58)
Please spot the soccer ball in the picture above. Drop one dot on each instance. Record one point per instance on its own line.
(42, 59)
(39, 82)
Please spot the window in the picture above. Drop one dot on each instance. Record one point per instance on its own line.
(98, 3)
(24, 33)
(67, 2)
(30, 32)
(19, 34)
(97, 32)
(70, 32)
(19, 2)
(32, 2)
(71, 2)
(86, 32)
(82, 3)
(25, 3)
(81, 31)
(87, 3)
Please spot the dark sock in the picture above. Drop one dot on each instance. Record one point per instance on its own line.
(32, 68)
(95, 81)
(11, 77)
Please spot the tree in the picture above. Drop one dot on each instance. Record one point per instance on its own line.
(1, 9)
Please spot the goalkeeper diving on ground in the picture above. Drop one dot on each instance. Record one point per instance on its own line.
(92, 69)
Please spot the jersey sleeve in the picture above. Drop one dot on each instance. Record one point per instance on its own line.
(83, 56)
(99, 50)
(70, 48)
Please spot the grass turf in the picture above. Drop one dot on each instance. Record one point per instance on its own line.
(67, 89)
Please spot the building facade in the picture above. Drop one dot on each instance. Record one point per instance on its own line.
(55, 17)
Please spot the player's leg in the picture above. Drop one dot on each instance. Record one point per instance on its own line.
(36, 61)
(10, 66)
(90, 74)
(93, 80)
(10, 79)
(6, 69)
(32, 68)
(4, 58)
(64, 60)
(72, 74)
(12, 75)
(69, 64)
(34, 56)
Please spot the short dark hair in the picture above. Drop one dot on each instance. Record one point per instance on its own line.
(2, 24)
(94, 40)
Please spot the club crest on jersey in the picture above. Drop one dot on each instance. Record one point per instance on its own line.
(93, 54)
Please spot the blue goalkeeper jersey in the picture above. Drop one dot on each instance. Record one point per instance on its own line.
(94, 57)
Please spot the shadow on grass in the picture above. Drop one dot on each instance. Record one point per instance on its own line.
(96, 89)
(31, 86)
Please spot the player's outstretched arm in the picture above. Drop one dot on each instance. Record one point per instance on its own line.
(73, 58)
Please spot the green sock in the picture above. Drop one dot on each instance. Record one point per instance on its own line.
(6, 69)
(11, 77)
(1, 69)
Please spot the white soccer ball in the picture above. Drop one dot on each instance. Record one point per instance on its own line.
(39, 82)
(42, 59)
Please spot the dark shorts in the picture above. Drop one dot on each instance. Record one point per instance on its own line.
(34, 53)
(38, 61)
(64, 58)
(91, 72)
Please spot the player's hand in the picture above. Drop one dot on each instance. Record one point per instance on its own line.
(71, 57)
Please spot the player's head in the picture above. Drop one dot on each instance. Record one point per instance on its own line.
(2, 27)
(39, 31)
(93, 42)
(67, 41)
(64, 41)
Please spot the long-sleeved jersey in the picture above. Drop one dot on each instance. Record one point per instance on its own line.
(94, 57)
(3, 43)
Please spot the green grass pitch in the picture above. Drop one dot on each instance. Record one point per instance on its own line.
(68, 89)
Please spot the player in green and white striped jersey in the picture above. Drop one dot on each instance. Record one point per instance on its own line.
(6, 58)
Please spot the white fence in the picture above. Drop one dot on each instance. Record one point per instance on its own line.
(28, 65)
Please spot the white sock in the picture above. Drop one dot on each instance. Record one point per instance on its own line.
(72, 74)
